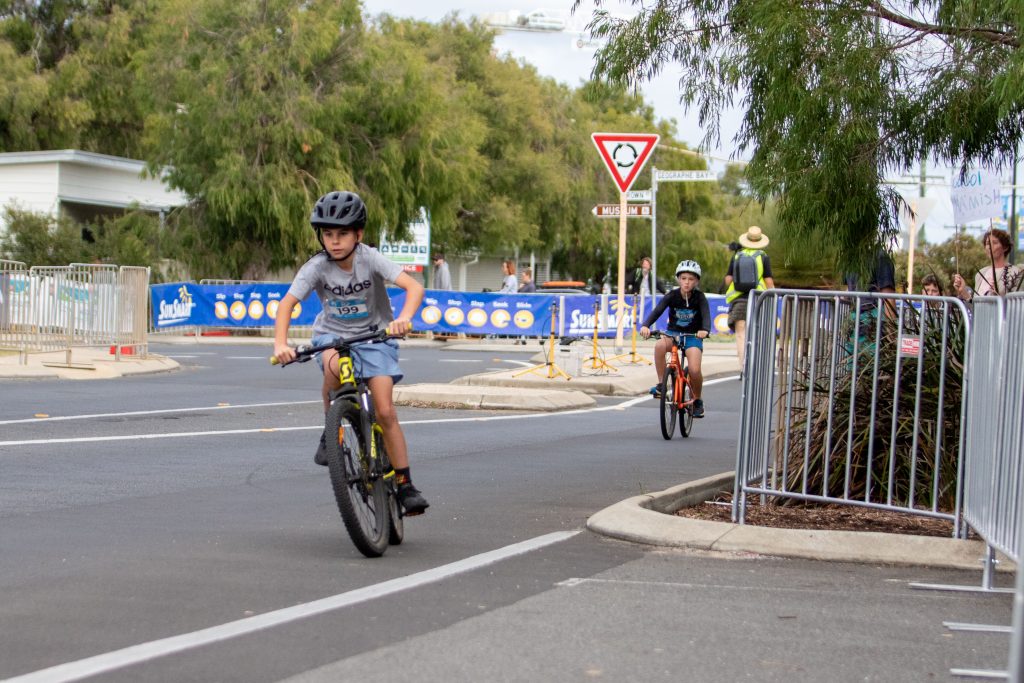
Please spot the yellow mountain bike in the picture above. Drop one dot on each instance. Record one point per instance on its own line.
(361, 473)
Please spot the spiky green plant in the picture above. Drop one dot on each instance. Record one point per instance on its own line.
(884, 465)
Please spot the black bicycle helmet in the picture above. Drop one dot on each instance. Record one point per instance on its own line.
(339, 210)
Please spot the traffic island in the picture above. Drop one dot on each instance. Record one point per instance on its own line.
(650, 519)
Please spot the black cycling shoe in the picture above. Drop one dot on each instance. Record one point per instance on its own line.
(656, 390)
(412, 501)
(321, 451)
(698, 408)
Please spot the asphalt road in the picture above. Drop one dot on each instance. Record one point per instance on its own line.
(174, 528)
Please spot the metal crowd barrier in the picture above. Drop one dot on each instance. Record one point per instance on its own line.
(832, 401)
(58, 308)
(14, 302)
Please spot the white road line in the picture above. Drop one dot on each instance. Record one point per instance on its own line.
(228, 432)
(525, 364)
(163, 411)
(144, 652)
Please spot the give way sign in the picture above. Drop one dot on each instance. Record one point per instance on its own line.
(625, 154)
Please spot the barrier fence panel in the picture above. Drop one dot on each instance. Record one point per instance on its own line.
(14, 307)
(52, 318)
(1012, 440)
(93, 296)
(57, 308)
(132, 324)
(985, 465)
(993, 472)
(854, 398)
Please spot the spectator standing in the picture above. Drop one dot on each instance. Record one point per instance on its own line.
(930, 286)
(442, 278)
(510, 284)
(998, 278)
(642, 283)
(739, 286)
(528, 286)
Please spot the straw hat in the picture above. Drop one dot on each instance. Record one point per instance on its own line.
(753, 238)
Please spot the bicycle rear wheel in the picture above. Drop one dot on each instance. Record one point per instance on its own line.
(668, 403)
(686, 419)
(359, 487)
(396, 525)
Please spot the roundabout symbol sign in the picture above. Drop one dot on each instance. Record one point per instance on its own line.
(624, 154)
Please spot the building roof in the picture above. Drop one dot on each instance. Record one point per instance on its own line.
(74, 156)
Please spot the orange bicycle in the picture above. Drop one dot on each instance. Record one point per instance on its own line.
(677, 396)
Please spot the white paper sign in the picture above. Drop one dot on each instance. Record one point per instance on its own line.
(414, 253)
(975, 196)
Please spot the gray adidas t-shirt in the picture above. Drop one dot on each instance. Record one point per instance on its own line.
(354, 302)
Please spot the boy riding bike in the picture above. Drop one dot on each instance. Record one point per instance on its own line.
(349, 277)
(688, 313)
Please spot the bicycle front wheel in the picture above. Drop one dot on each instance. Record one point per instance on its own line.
(686, 419)
(668, 403)
(357, 479)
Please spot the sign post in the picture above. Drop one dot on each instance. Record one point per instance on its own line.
(668, 176)
(624, 154)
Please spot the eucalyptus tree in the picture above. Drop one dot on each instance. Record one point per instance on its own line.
(258, 108)
(534, 155)
(835, 94)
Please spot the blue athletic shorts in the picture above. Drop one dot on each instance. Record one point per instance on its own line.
(692, 343)
(370, 359)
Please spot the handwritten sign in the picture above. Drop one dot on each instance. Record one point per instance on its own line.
(975, 196)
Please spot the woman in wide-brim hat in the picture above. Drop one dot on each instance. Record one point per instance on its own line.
(753, 238)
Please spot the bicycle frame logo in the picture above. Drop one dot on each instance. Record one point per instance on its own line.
(345, 372)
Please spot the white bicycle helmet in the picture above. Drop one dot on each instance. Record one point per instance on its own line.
(688, 267)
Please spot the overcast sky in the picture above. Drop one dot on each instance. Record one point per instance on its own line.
(556, 55)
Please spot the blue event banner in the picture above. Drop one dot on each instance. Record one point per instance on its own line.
(481, 312)
(446, 312)
(580, 312)
(230, 305)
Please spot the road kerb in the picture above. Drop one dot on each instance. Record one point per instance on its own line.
(650, 519)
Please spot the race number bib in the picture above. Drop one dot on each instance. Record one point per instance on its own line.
(347, 309)
(685, 316)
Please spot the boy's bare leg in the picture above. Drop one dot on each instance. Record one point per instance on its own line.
(331, 381)
(387, 417)
(663, 346)
(693, 358)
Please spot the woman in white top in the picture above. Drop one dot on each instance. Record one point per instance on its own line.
(510, 284)
(1007, 278)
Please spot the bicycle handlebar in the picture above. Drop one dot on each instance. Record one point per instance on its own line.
(305, 352)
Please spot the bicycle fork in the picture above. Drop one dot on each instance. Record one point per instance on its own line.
(374, 434)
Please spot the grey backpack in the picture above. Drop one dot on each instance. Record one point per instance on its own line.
(744, 271)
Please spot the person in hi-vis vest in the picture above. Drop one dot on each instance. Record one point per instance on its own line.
(752, 243)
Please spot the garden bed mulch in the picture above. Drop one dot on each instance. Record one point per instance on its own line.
(829, 518)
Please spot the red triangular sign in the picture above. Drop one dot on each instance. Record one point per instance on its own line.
(625, 154)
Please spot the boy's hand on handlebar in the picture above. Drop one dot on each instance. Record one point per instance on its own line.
(284, 353)
(399, 327)
(645, 332)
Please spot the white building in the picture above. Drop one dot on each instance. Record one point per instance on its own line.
(81, 185)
